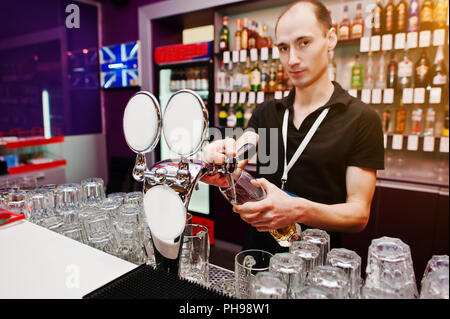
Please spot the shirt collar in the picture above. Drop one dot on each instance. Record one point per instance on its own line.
(340, 97)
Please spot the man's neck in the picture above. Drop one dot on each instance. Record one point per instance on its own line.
(314, 96)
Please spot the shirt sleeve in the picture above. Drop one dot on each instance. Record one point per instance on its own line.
(368, 145)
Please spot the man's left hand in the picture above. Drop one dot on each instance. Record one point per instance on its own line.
(277, 210)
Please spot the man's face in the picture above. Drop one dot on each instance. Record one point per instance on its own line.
(303, 45)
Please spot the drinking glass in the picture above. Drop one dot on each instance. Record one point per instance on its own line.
(92, 191)
(435, 285)
(128, 246)
(68, 198)
(106, 243)
(435, 263)
(40, 205)
(111, 207)
(27, 182)
(136, 198)
(120, 196)
(74, 231)
(308, 252)
(350, 263)
(268, 285)
(15, 202)
(389, 271)
(244, 190)
(331, 279)
(247, 264)
(321, 239)
(290, 267)
(194, 261)
(313, 292)
(97, 224)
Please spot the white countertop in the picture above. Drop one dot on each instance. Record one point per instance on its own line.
(38, 263)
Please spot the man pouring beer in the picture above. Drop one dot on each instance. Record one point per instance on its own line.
(330, 144)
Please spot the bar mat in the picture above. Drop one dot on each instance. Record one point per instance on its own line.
(144, 282)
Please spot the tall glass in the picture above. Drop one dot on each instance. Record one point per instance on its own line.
(290, 267)
(321, 239)
(92, 191)
(308, 252)
(350, 263)
(331, 279)
(242, 188)
(268, 285)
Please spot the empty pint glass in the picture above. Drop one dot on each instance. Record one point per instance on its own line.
(350, 263)
(321, 239)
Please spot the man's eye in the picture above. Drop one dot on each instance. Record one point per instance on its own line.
(282, 49)
(304, 43)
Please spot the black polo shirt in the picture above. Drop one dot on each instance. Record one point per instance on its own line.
(350, 135)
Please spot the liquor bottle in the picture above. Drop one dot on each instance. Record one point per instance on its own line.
(196, 80)
(172, 85)
(438, 74)
(246, 76)
(183, 81)
(264, 77)
(426, 15)
(255, 78)
(430, 118)
(413, 20)
(176, 79)
(221, 78)
(237, 78)
(369, 77)
(344, 26)
(224, 36)
(416, 120)
(357, 24)
(247, 114)
(422, 71)
(229, 78)
(401, 16)
(331, 66)
(440, 14)
(237, 35)
(357, 74)
(263, 41)
(405, 71)
(389, 17)
(280, 78)
(231, 119)
(253, 36)
(272, 77)
(400, 119)
(239, 115)
(244, 35)
(223, 114)
(386, 120)
(380, 78)
(377, 18)
(204, 79)
(190, 79)
(392, 72)
(445, 126)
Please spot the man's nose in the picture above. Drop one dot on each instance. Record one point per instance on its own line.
(293, 57)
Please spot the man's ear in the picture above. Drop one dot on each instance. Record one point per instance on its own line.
(332, 39)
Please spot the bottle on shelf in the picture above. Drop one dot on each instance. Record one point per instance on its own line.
(248, 111)
(380, 78)
(204, 79)
(231, 119)
(440, 13)
(223, 114)
(377, 18)
(357, 28)
(173, 80)
(331, 66)
(369, 76)
(426, 15)
(264, 77)
(392, 72)
(220, 80)
(244, 35)
(280, 78)
(401, 16)
(229, 78)
(246, 76)
(263, 40)
(239, 113)
(430, 118)
(344, 26)
(445, 129)
(357, 78)
(386, 120)
(272, 77)
(183, 81)
(389, 17)
(253, 36)
(413, 19)
(333, 21)
(405, 71)
(422, 71)
(438, 74)
(237, 77)
(416, 120)
(224, 36)
(400, 119)
(255, 78)
(237, 35)
(190, 79)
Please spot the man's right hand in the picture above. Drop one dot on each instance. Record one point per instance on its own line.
(216, 153)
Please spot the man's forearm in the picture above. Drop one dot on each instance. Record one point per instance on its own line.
(346, 217)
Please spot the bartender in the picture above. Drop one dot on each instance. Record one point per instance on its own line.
(330, 144)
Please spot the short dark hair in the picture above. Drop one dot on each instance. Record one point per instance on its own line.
(321, 11)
